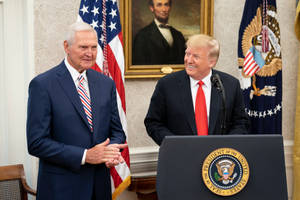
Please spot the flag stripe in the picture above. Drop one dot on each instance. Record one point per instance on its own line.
(116, 177)
(250, 65)
(116, 73)
(118, 52)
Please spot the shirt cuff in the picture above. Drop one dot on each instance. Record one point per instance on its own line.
(83, 157)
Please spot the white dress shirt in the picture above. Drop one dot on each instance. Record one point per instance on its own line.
(75, 74)
(206, 89)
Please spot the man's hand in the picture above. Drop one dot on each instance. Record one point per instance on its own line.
(102, 153)
(120, 159)
(105, 153)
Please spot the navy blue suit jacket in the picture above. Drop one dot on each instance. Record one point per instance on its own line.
(171, 110)
(58, 133)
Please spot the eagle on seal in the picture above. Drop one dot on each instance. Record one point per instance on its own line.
(258, 61)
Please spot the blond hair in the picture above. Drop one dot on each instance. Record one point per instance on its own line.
(203, 41)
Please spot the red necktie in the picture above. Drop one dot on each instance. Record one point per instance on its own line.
(200, 112)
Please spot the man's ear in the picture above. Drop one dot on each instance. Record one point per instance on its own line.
(151, 8)
(212, 62)
(66, 46)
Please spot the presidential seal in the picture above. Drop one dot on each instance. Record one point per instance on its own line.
(225, 172)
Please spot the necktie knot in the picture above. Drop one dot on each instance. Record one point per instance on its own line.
(80, 79)
(164, 26)
(200, 83)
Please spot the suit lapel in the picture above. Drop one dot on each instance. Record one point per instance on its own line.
(66, 82)
(185, 86)
(94, 95)
(157, 38)
(176, 40)
(215, 103)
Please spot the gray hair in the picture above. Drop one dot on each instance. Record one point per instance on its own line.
(202, 40)
(76, 27)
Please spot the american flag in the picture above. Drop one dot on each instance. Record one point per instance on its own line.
(103, 16)
(252, 62)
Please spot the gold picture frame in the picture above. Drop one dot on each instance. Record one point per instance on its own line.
(129, 9)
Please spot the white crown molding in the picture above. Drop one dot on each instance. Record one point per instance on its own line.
(143, 161)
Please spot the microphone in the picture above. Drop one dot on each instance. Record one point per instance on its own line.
(217, 83)
(215, 80)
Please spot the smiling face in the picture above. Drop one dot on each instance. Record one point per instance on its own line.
(197, 62)
(82, 53)
(161, 10)
(201, 55)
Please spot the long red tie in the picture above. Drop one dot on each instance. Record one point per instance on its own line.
(200, 112)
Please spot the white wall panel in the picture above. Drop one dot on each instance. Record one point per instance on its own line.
(3, 131)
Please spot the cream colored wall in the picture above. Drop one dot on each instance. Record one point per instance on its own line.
(52, 17)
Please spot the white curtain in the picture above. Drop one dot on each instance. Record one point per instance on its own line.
(16, 70)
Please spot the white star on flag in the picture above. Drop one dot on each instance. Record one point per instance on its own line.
(94, 24)
(102, 26)
(113, 13)
(84, 10)
(95, 11)
(102, 39)
(112, 26)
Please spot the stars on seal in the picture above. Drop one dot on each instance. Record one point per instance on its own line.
(265, 113)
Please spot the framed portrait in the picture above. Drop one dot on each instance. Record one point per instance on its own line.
(186, 17)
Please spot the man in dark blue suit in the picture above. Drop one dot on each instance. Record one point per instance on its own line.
(158, 43)
(173, 103)
(75, 151)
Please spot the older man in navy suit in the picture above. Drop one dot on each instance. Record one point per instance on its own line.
(158, 43)
(189, 103)
(73, 124)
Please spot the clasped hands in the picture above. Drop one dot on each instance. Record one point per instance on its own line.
(105, 153)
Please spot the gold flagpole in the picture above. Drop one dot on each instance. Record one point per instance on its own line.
(296, 156)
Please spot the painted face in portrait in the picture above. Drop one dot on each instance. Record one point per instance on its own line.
(197, 62)
(82, 53)
(161, 10)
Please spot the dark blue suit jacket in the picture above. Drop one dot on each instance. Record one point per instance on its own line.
(171, 110)
(58, 133)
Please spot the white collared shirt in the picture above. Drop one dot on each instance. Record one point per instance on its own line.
(206, 89)
(75, 74)
(165, 32)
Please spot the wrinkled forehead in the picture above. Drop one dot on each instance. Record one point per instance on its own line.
(85, 36)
